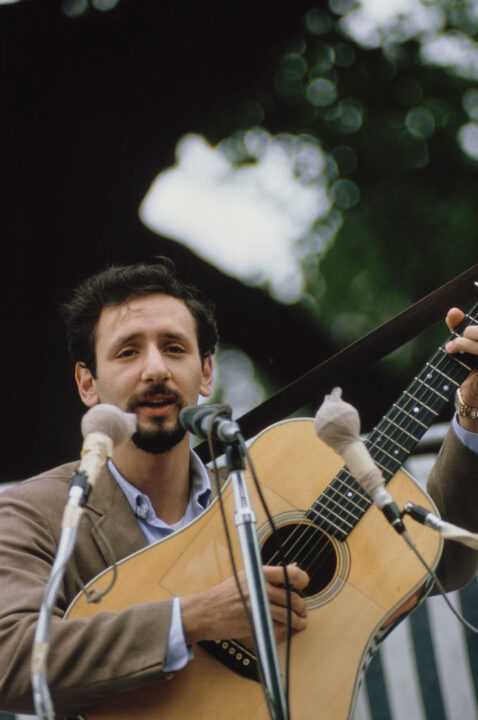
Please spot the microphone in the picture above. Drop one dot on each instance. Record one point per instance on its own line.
(206, 420)
(337, 423)
(447, 530)
(103, 427)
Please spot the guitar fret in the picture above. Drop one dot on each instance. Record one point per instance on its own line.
(342, 504)
(387, 434)
(387, 454)
(339, 518)
(454, 367)
(443, 397)
(334, 509)
(408, 415)
(387, 471)
(382, 467)
(336, 515)
(352, 506)
(420, 388)
(338, 501)
(342, 508)
(387, 437)
(327, 524)
(452, 380)
(351, 494)
(416, 408)
(467, 367)
(436, 396)
(401, 429)
(389, 463)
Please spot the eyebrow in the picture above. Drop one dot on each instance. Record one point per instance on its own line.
(125, 339)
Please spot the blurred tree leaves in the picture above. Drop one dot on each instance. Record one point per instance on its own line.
(390, 122)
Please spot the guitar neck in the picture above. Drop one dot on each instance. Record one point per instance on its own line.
(343, 503)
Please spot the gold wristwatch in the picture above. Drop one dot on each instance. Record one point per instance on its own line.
(463, 409)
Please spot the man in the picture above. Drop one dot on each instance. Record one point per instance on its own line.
(453, 481)
(143, 340)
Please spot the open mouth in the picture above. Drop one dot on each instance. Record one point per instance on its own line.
(156, 403)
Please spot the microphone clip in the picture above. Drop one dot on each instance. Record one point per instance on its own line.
(422, 516)
(394, 516)
(80, 488)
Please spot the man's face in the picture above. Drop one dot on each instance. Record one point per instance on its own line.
(148, 362)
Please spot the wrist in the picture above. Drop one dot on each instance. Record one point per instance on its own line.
(467, 413)
(465, 409)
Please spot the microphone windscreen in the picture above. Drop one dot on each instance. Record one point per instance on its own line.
(109, 420)
(337, 423)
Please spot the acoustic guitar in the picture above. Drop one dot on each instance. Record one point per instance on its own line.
(362, 572)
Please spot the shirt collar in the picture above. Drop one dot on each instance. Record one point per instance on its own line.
(200, 487)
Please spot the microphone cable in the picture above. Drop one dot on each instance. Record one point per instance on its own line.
(439, 585)
(95, 595)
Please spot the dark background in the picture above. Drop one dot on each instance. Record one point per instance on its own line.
(92, 109)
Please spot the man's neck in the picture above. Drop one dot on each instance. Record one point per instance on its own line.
(164, 477)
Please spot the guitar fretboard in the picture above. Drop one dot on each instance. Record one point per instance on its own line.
(339, 508)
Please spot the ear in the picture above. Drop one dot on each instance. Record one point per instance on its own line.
(207, 377)
(86, 385)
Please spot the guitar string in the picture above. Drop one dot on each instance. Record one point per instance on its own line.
(326, 544)
(413, 395)
(385, 467)
(416, 402)
(346, 498)
(409, 420)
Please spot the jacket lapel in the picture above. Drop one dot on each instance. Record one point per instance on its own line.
(114, 519)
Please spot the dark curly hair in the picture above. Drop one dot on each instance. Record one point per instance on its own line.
(119, 283)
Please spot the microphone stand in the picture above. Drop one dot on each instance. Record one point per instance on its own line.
(264, 638)
(77, 496)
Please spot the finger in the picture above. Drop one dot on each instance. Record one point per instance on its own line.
(471, 332)
(454, 317)
(468, 342)
(279, 615)
(297, 578)
(279, 596)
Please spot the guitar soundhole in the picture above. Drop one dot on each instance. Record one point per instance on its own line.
(307, 546)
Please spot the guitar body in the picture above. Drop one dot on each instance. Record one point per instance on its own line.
(366, 579)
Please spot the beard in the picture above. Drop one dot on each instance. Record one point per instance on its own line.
(157, 440)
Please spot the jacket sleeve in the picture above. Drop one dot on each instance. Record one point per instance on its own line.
(453, 485)
(89, 659)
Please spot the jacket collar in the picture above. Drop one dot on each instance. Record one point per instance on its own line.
(115, 519)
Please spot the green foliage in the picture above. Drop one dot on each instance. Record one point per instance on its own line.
(391, 125)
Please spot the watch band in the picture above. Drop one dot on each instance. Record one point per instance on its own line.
(463, 409)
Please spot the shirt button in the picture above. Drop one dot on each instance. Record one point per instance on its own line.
(142, 509)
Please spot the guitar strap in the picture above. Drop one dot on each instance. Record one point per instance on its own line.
(349, 361)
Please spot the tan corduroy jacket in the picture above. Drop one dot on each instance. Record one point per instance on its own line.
(92, 659)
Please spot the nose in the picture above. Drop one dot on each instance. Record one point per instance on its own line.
(155, 367)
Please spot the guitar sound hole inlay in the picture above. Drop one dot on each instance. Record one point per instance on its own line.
(309, 547)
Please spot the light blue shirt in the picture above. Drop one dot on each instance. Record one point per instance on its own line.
(153, 528)
(469, 439)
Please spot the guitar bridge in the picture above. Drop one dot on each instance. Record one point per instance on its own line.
(234, 655)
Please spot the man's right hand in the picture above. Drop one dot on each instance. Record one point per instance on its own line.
(218, 613)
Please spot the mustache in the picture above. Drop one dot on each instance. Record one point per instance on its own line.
(159, 389)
